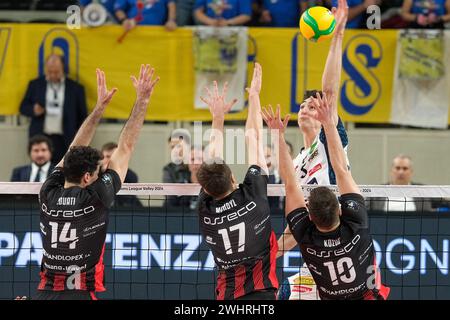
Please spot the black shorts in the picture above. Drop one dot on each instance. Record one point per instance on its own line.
(64, 295)
(260, 295)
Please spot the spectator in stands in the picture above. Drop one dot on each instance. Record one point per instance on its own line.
(131, 177)
(401, 174)
(185, 12)
(40, 152)
(129, 13)
(426, 13)
(223, 13)
(282, 14)
(56, 106)
(305, 4)
(177, 171)
(357, 12)
(107, 4)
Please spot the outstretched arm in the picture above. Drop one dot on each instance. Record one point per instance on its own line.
(331, 78)
(294, 194)
(324, 114)
(87, 130)
(254, 123)
(218, 108)
(144, 86)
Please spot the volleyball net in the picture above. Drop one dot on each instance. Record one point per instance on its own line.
(154, 249)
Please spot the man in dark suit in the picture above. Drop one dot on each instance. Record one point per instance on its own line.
(56, 106)
(131, 177)
(40, 151)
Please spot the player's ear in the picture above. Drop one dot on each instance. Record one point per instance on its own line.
(233, 179)
(86, 178)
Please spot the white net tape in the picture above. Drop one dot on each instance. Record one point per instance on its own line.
(276, 190)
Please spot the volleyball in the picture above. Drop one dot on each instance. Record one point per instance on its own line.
(317, 24)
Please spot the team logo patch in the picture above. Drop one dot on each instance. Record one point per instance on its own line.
(352, 205)
(254, 171)
(315, 169)
(313, 156)
(106, 178)
(301, 289)
(304, 280)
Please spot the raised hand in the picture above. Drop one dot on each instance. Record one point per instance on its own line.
(273, 120)
(216, 101)
(255, 87)
(104, 95)
(324, 111)
(145, 84)
(341, 14)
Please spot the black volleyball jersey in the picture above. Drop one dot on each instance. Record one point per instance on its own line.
(73, 225)
(342, 262)
(239, 233)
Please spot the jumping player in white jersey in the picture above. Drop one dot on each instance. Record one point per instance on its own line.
(312, 165)
(333, 234)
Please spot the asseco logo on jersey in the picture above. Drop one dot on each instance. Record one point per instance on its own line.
(67, 213)
(230, 217)
(328, 253)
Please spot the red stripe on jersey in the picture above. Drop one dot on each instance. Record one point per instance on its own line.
(258, 276)
(273, 260)
(58, 283)
(221, 286)
(239, 280)
(383, 291)
(99, 273)
(83, 281)
(43, 280)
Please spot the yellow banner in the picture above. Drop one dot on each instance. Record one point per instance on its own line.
(290, 66)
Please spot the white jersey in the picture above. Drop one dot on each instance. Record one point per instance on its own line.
(300, 286)
(313, 166)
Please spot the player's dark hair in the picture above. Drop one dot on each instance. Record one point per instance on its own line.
(38, 139)
(312, 94)
(323, 207)
(215, 178)
(80, 160)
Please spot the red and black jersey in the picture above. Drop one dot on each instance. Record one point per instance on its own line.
(342, 262)
(73, 225)
(239, 233)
